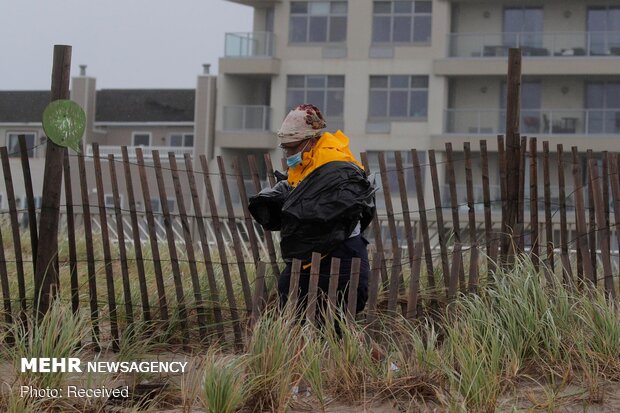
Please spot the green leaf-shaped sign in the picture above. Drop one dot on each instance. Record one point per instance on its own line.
(64, 122)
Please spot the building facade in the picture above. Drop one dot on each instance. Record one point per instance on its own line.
(396, 75)
(180, 121)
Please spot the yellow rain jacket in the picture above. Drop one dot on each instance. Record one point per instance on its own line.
(332, 196)
(330, 147)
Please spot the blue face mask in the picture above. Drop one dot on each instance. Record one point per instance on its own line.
(294, 160)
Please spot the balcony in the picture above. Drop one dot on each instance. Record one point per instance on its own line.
(248, 118)
(544, 53)
(495, 197)
(249, 53)
(253, 44)
(535, 122)
(246, 126)
(147, 151)
(535, 44)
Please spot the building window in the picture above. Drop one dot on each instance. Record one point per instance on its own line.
(533, 120)
(398, 97)
(325, 92)
(182, 139)
(401, 21)
(603, 107)
(109, 200)
(604, 30)
(12, 143)
(269, 19)
(156, 205)
(318, 21)
(141, 139)
(523, 27)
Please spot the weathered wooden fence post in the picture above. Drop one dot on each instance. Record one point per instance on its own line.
(105, 241)
(486, 194)
(473, 240)
(46, 274)
(428, 253)
(513, 101)
(32, 212)
(534, 204)
(580, 221)
(603, 233)
(19, 262)
(567, 272)
(441, 234)
(550, 263)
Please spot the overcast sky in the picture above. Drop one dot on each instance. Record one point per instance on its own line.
(125, 43)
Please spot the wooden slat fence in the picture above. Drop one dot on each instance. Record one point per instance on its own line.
(201, 265)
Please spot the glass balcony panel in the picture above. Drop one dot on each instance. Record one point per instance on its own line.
(613, 42)
(256, 118)
(476, 45)
(233, 45)
(247, 118)
(476, 121)
(233, 118)
(598, 44)
(534, 121)
(253, 44)
(455, 119)
(530, 121)
(566, 44)
(489, 121)
(147, 151)
(602, 121)
(557, 44)
(563, 121)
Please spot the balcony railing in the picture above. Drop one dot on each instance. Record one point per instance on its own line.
(495, 197)
(540, 121)
(247, 118)
(147, 151)
(252, 44)
(560, 44)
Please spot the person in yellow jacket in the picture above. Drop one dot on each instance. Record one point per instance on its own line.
(316, 152)
(319, 157)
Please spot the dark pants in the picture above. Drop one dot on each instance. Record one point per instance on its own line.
(349, 249)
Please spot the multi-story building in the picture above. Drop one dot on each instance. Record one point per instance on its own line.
(396, 75)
